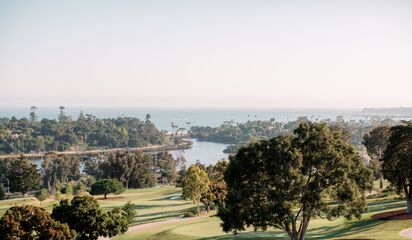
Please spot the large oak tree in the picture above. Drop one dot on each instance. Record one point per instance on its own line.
(285, 181)
(397, 160)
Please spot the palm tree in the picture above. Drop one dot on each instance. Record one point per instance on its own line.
(33, 116)
(61, 116)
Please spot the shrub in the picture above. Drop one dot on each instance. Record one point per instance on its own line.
(42, 195)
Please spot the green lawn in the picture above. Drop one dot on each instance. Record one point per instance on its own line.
(366, 228)
(153, 204)
(157, 204)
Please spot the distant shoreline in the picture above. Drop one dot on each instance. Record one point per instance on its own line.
(186, 144)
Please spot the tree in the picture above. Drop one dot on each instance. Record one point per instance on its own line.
(23, 175)
(195, 184)
(33, 116)
(218, 187)
(119, 166)
(116, 222)
(166, 167)
(285, 181)
(84, 215)
(30, 222)
(397, 160)
(42, 195)
(62, 115)
(143, 174)
(106, 186)
(129, 210)
(375, 142)
(60, 169)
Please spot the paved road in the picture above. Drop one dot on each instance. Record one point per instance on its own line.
(183, 145)
(155, 224)
(406, 233)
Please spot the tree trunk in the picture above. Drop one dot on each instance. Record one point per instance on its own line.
(105, 196)
(294, 236)
(302, 233)
(408, 195)
(381, 181)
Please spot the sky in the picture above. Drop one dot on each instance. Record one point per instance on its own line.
(212, 53)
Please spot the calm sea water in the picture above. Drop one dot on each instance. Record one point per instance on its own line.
(163, 118)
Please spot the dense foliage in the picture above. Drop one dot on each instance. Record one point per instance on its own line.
(30, 222)
(60, 169)
(397, 160)
(84, 215)
(285, 181)
(243, 133)
(24, 135)
(129, 211)
(23, 176)
(106, 186)
(195, 185)
(375, 143)
(135, 169)
(42, 195)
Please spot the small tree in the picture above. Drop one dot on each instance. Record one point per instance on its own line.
(116, 222)
(196, 184)
(129, 210)
(30, 222)
(107, 186)
(42, 195)
(397, 161)
(285, 181)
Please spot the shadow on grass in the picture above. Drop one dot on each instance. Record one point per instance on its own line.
(331, 232)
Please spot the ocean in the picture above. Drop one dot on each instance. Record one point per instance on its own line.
(185, 118)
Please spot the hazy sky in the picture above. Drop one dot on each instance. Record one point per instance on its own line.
(206, 53)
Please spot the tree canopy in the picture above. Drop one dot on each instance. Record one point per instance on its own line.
(24, 135)
(84, 215)
(397, 160)
(107, 186)
(23, 175)
(196, 183)
(30, 222)
(284, 181)
(375, 143)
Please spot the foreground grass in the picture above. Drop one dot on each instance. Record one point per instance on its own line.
(365, 228)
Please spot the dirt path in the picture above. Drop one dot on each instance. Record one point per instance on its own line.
(155, 224)
(406, 233)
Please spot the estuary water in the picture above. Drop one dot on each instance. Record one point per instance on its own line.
(205, 152)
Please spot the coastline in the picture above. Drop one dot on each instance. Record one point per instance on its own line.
(186, 144)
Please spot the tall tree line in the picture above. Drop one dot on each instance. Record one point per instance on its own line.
(87, 131)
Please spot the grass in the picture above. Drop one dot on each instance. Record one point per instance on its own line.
(365, 228)
(157, 204)
(152, 204)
